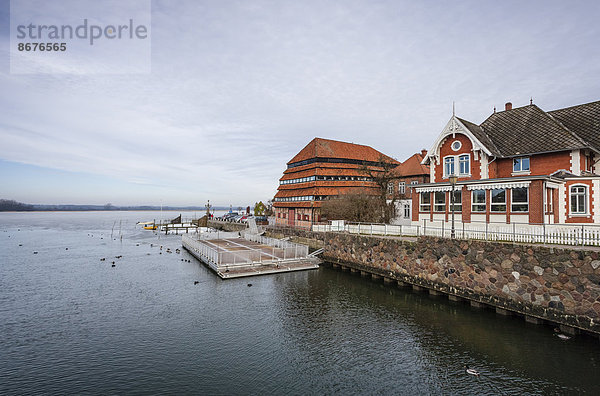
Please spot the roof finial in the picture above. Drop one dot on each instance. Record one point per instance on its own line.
(531, 101)
(453, 112)
(494, 109)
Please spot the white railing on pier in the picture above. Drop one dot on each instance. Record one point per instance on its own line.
(563, 234)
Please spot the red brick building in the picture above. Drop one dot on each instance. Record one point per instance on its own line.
(407, 175)
(521, 165)
(322, 170)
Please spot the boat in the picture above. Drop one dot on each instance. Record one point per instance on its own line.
(148, 225)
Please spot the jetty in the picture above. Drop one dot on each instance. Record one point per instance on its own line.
(240, 254)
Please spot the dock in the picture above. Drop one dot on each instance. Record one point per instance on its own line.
(235, 255)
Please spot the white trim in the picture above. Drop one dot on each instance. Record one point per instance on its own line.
(489, 186)
(587, 201)
(433, 188)
(459, 145)
(432, 173)
(576, 162)
(562, 204)
(483, 166)
(553, 185)
(596, 200)
(453, 127)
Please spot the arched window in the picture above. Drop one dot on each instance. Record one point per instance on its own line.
(578, 199)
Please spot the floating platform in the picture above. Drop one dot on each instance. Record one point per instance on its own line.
(233, 255)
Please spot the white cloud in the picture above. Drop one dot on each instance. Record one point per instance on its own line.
(238, 88)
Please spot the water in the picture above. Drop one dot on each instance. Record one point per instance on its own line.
(72, 324)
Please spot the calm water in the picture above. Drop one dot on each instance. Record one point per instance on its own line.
(70, 323)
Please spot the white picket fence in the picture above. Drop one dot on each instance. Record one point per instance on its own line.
(562, 234)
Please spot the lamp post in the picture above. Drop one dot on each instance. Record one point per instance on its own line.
(453, 180)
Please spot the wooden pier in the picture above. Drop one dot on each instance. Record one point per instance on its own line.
(231, 255)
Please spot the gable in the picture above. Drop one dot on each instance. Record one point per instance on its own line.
(453, 127)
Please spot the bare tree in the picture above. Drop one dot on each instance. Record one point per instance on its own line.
(354, 206)
(384, 176)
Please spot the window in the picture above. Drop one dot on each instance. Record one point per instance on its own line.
(279, 215)
(457, 206)
(390, 188)
(456, 145)
(299, 216)
(414, 182)
(498, 200)
(578, 200)
(521, 164)
(402, 187)
(448, 166)
(463, 165)
(478, 201)
(440, 201)
(406, 211)
(519, 200)
(425, 202)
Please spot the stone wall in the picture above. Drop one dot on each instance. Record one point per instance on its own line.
(556, 284)
(226, 225)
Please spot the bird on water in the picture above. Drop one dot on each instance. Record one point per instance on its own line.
(471, 371)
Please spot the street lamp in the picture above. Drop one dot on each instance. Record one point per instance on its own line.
(453, 180)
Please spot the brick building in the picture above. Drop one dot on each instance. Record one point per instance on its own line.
(322, 170)
(521, 165)
(408, 174)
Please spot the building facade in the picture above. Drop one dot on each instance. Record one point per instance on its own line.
(521, 165)
(322, 170)
(408, 174)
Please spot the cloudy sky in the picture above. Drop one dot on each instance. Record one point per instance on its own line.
(237, 88)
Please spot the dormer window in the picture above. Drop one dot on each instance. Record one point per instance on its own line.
(521, 164)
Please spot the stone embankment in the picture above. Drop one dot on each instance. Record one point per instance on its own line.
(227, 225)
(556, 284)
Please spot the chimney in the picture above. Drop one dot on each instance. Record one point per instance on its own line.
(508, 106)
(423, 153)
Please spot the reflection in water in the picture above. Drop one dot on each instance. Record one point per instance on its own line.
(70, 323)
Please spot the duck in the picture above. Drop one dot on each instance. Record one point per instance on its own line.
(196, 282)
(103, 259)
(249, 284)
(471, 371)
(560, 335)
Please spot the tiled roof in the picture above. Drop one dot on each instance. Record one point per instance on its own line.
(583, 120)
(528, 130)
(322, 165)
(326, 148)
(412, 166)
(480, 134)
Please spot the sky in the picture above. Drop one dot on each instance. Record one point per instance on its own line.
(235, 89)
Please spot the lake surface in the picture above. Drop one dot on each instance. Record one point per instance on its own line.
(72, 324)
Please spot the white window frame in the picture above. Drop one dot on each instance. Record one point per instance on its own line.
(520, 169)
(585, 195)
(512, 201)
(455, 160)
(492, 203)
(450, 159)
(422, 205)
(478, 204)
(401, 187)
(407, 211)
(468, 162)
(436, 204)
(390, 188)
